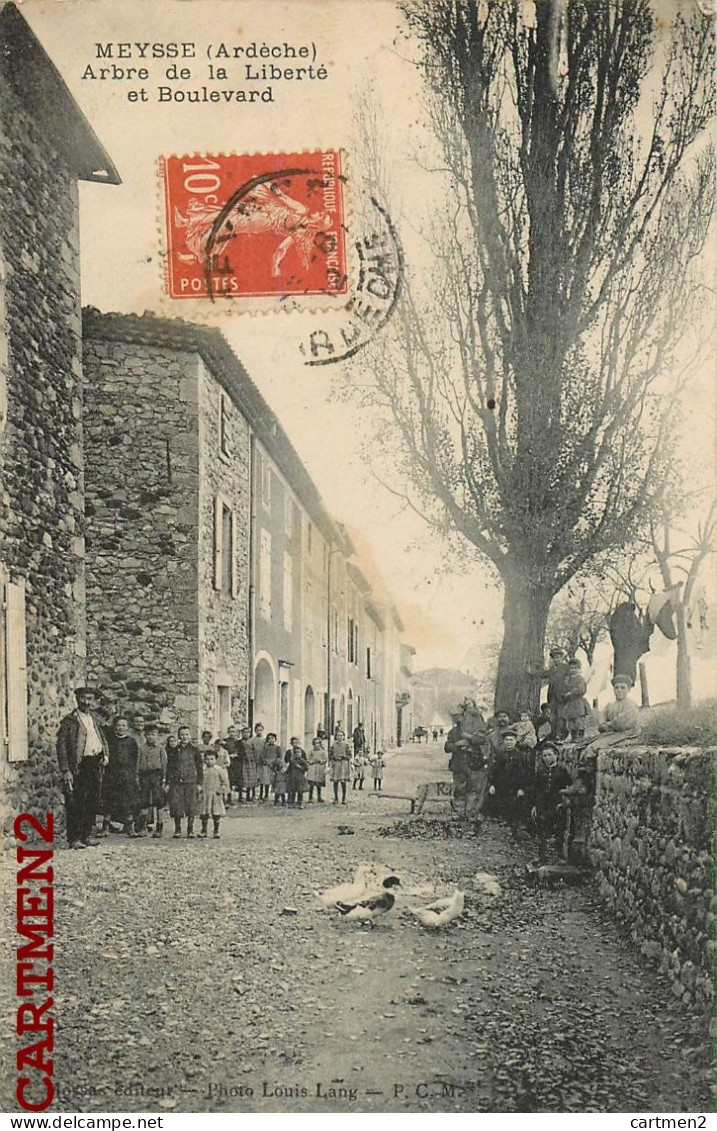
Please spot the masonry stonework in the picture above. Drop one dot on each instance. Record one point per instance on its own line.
(168, 458)
(41, 461)
(651, 846)
(142, 489)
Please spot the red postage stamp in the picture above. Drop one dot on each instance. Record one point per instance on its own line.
(254, 226)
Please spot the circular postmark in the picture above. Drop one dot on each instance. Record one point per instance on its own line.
(278, 222)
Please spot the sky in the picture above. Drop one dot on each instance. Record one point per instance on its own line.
(448, 611)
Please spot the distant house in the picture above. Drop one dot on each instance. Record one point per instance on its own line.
(436, 694)
(46, 146)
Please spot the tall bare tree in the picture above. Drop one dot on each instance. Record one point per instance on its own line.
(579, 619)
(529, 370)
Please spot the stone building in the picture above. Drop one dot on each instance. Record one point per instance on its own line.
(46, 146)
(168, 450)
(219, 588)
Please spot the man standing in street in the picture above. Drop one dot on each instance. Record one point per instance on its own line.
(82, 754)
(359, 738)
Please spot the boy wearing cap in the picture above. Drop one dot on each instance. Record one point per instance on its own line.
(152, 768)
(517, 781)
(548, 810)
(575, 709)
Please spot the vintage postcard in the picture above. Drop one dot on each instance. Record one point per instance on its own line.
(357, 524)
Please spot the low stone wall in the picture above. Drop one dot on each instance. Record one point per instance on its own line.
(651, 847)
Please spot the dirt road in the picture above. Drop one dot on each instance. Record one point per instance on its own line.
(204, 976)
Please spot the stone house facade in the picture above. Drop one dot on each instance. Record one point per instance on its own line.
(46, 146)
(278, 614)
(168, 513)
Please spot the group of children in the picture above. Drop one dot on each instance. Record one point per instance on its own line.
(148, 772)
(257, 761)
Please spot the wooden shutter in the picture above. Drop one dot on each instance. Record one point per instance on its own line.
(15, 655)
(233, 551)
(217, 542)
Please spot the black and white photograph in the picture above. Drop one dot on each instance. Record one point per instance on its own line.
(358, 517)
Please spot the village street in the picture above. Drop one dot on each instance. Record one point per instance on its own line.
(205, 976)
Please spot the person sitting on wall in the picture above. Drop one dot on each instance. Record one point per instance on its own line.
(620, 719)
(82, 754)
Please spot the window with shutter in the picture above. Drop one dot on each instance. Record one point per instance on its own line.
(288, 593)
(15, 665)
(265, 574)
(218, 536)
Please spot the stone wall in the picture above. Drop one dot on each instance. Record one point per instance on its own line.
(142, 492)
(41, 462)
(223, 636)
(651, 844)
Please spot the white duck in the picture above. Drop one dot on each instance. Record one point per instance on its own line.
(348, 892)
(442, 912)
(487, 883)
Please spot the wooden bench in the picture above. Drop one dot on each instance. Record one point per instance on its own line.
(429, 791)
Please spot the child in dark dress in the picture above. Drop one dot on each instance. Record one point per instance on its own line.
(297, 765)
(121, 784)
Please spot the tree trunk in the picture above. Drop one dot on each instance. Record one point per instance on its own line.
(684, 667)
(525, 617)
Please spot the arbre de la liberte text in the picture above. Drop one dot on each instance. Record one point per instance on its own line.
(174, 72)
